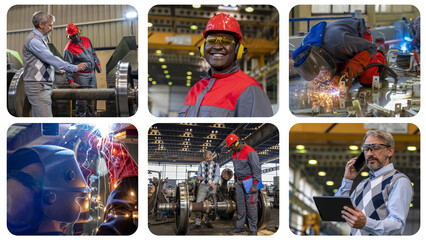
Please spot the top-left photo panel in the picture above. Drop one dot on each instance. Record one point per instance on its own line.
(72, 61)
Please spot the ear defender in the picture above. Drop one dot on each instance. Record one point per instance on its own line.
(240, 51)
(201, 49)
(237, 143)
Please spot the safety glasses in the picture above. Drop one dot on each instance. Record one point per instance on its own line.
(373, 147)
(223, 40)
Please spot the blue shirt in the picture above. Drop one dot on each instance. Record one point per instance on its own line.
(41, 50)
(216, 173)
(398, 204)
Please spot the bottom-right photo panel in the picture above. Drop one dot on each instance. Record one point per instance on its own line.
(354, 179)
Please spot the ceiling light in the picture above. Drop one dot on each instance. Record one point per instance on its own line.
(335, 190)
(158, 52)
(364, 174)
(167, 76)
(188, 84)
(249, 9)
(322, 173)
(150, 24)
(300, 147)
(166, 71)
(150, 79)
(312, 162)
(194, 27)
(154, 82)
(329, 183)
(189, 73)
(353, 148)
(163, 66)
(191, 53)
(131, 15)
(411, 205)
(161, 60)
(196, 5)
(411, 148)
(188, 77)
(170, 83)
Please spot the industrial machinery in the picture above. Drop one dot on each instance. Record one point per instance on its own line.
(183, 206)
(121, 94)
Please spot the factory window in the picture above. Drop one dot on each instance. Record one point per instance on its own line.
(337, 9)
(394, 8)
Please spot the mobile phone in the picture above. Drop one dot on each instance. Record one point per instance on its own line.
(360, 161)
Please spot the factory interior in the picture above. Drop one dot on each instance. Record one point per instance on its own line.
(104, 153)
(174, 153)
(394, 95)
(174, 64)
(317, 158)
(113, 32)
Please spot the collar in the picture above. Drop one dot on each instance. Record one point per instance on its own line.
(381, 171)
(39, 34)
(210, 74)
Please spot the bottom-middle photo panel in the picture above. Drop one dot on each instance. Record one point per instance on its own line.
(213, 179)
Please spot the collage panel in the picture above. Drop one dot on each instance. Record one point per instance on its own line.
(354, 60)
(72, 179)
(72, 61)
(354, 179)
(213, 60)
(213, 179)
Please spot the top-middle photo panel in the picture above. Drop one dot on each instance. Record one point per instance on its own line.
(213, 60)
(354, 60)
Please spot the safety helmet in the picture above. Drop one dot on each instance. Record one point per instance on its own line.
(317, 62)
(223, 23)
(72, 30)
(65, 196)
(230, 139)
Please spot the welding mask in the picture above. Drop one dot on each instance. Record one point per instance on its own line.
(64, 195)
(317, 61)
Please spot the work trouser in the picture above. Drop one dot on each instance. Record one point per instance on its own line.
(246, 207)
(86, 108)
(39, 95)
(203, 192)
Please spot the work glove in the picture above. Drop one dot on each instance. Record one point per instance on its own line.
(357, 65)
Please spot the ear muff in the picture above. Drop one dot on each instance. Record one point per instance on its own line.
(201, 49)
(240, 51)
(237, 143)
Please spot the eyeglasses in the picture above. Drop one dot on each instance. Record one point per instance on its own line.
(223, 40)
(373, 147)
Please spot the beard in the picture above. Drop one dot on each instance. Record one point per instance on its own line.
(377, 163)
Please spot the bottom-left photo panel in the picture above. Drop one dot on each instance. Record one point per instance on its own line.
(72, 179)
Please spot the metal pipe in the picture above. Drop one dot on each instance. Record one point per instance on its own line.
(83, 94)
(166, 207)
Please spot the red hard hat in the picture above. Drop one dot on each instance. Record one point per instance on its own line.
(223, 22)
(230, 139)
(71, 29)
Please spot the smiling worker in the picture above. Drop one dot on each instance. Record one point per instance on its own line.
(225, 91)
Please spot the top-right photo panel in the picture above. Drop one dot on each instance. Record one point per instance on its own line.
(354, 60)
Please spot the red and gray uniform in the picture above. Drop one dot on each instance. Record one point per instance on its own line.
(246, 165)
(233, 94)
(83, 52)
(346, 38)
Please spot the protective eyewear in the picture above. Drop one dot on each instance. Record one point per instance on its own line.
(223, 40)
(373, 147)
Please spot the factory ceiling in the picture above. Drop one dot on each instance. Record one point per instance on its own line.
(175, 33)
(185, 143)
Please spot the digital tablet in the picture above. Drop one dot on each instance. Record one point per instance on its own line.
(330, 207)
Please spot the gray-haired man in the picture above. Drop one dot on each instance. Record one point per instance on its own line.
(39, 64)
(208, 174)
(381, 201)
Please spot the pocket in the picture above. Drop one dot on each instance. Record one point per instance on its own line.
(183, 112)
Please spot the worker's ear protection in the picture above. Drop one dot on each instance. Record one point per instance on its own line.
(79, 32)
(237, 142)
(240, 51)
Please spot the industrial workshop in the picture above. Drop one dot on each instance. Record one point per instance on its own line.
(354, 60)
(72, 179)
(101, 39)
(203, 178)
(330, 166)
(180, 38)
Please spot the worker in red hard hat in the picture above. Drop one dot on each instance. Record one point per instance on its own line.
(247, 175)
(225, 91)
(80, 50)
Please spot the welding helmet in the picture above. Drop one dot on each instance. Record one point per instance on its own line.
(230, 139)
(64, 195)
(317, 61)
(72, 30)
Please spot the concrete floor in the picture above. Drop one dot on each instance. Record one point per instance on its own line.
(220, 227)
(343, 106)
